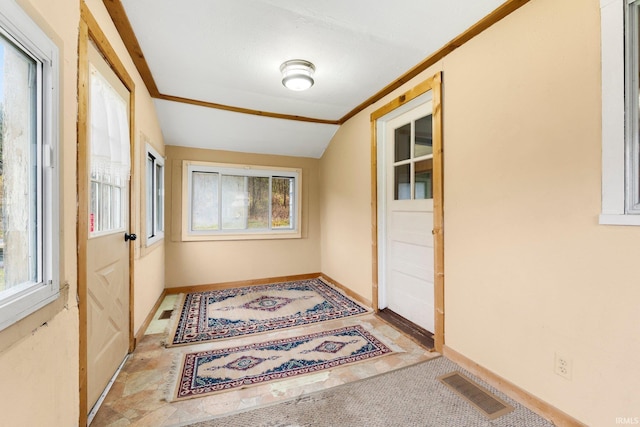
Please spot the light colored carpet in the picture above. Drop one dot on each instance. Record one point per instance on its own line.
(407, 397)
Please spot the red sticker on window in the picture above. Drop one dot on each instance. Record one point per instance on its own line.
(91, 223)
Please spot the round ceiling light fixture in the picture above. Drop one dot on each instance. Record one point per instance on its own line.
(297, 74)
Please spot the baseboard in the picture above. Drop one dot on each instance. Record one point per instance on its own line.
(346, 290)
(240, 283)
(545, 410)
(265, 281)
(149, 318)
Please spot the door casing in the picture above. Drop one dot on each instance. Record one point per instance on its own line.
(90, 32)
(396, 107)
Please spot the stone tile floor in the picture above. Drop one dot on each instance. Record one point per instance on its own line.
(139, 394)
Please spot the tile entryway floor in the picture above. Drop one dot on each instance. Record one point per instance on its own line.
(139, 393)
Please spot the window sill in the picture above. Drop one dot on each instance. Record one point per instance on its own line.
(154, 240)
(247, 236)
(619, 219)
(30, 324)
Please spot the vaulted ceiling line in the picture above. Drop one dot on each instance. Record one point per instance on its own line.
(123, 26)
(494, 17)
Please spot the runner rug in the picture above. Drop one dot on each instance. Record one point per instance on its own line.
(230, 313)
(214, 371)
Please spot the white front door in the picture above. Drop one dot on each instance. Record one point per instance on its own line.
(108, 320)
(408, 215)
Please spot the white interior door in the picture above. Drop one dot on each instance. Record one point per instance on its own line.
(409, 244)
(107, 250)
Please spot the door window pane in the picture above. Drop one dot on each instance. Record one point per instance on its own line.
(402, 141)
(423, 137)
(402, 182)
(423, 179)
(109, 155)
(116, 207)
(281, 203)
(204, 201)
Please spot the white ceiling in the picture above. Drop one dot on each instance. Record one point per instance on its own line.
(229, 52)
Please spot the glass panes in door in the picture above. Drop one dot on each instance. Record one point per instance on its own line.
(413, 160)
(109, 150)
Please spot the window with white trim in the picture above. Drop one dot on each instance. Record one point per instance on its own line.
(620, 24)
(154, 196)
(28, 153)
(241, 201)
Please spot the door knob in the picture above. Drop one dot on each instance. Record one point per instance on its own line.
(128, 237)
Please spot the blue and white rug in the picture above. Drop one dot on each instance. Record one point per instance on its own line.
(236, 312)
(213, 371)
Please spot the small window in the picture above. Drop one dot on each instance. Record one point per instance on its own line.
(28, 183)
(233, 201)
(154, 196)
(620, 50)
(632, 92)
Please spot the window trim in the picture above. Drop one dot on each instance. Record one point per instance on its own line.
(188, 235)
(158, 161)
(17, 25)
(615, 157)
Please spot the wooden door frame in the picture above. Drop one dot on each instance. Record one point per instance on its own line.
(432, 84)
(90, 31)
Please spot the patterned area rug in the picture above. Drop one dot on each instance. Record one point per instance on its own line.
(230, 313)
(214, 371)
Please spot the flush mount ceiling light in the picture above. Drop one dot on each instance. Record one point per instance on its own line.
(297, 74)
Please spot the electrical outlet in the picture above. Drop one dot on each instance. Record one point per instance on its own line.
(563, 366)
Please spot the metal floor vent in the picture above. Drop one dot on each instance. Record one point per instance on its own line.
(166, 314)
(490, 405)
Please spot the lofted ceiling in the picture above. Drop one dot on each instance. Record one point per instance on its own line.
(213, 66)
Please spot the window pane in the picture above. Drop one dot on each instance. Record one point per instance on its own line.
(423, 137)
(18, 167)
(250, 200)
(105, 209)
(117, 207)
(159, 205)
(281, 202)
(423, 179)
(402, 142)
(150, 198)
(636, 65)
(235, 201)
(94, 216)
(258, 202)
(204, 201)
(402, 182)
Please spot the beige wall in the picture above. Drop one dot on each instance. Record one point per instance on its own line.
(39, 355)
(197, 263)
(345, 188)
(528, 270)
